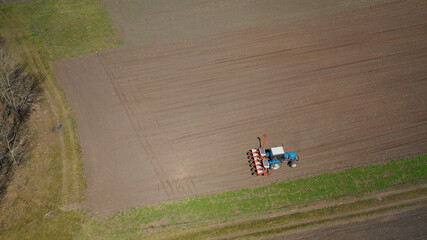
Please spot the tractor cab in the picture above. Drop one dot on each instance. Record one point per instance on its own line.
(277, 156)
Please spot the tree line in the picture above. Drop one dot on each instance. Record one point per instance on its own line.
(20, 91)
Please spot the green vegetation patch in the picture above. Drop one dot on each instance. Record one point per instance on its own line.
(218, 208)
(325, 213)
(62, 28)
(273, 222)
(63, 225)
(38, 32)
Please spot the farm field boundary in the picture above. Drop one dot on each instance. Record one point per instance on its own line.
(176, 120)
(169, 219)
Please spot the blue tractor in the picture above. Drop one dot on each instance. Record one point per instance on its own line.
(263, 161)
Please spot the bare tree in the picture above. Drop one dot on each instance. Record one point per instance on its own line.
(20, 91)
(14, 138)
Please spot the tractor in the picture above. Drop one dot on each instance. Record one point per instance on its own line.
(263, 161)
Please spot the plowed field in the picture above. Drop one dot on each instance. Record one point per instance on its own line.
(165, 121)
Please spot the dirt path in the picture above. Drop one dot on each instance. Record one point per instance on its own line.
(174, 120)
(415, 202)
(407, 224)
(71, 188)
(336, 216)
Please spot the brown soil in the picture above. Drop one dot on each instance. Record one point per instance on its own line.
(167, 121)
(408, 224)
(147, 22)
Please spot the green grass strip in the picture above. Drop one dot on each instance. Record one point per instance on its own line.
(249, 202)
(39, 32)
(323, 221)
(300, 216)
(61, 28)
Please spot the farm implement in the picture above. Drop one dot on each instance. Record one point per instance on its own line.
(263, 161)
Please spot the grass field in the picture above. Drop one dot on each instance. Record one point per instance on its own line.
(38, 32)
(328, 212)
(296, 217)
(60, 29)
(52, 180)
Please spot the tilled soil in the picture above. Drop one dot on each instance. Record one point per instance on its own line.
(168, 121)
(153, 22)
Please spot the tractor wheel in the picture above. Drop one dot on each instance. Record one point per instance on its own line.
(292, 164)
